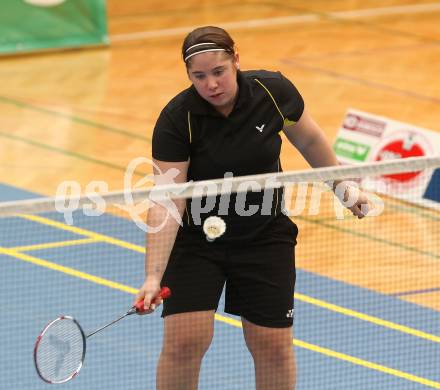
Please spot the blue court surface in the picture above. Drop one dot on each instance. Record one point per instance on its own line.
(346, 337)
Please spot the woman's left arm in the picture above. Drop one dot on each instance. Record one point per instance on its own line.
(310, 140)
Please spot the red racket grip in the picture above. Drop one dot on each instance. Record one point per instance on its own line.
(164, 293)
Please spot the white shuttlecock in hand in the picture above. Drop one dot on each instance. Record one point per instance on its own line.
(214, 227)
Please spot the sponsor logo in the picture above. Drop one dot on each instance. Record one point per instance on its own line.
(373, 127)
(351, 149)
(402, 144)
(260, 128)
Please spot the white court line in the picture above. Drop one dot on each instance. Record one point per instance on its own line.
(284, 20)
(254, 23)
(395, 10)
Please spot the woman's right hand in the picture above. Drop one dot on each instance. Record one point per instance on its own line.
(147, 292)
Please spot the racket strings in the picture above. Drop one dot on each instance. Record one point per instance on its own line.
(60, 351)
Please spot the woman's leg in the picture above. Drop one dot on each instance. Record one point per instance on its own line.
(187, 337)
(272, 351)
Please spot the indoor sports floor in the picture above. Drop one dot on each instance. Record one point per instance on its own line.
(361, 321)
(346, 337)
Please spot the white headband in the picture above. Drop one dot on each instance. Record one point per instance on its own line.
(199, 44)
(201, 51)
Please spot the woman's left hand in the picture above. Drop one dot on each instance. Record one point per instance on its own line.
(352, 197)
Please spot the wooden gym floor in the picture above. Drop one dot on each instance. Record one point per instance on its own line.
(83, 115)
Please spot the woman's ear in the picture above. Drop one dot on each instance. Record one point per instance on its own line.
(237, 61)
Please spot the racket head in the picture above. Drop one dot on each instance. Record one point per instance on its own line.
(60, 350)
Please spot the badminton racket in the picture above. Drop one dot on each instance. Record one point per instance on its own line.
(60, 348)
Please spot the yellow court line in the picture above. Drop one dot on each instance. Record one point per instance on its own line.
(83, 232)
(345, 357)
(57, 244)
(229, 321)
(368, 318)
(304, 298)
(67, 270)
(367, 364)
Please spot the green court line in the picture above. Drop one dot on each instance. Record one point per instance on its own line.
(68, 153)
(369, 237)
(73, 118)
(299, 343)
(419, 212)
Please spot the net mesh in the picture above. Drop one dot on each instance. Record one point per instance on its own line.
(60, 351)
(367, 294)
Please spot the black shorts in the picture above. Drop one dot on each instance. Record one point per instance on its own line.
(259, 275)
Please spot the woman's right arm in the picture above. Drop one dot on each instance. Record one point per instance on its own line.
(160, 244)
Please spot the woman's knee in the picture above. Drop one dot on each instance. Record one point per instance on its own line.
(188, 348)
(273, 353)
(272, 345)
(187, 337)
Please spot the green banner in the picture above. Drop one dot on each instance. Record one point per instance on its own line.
(351, 149)
(30, 25)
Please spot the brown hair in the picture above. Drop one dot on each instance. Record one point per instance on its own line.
(208, 34)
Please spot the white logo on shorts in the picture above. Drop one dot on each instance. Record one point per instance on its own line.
(290, 313)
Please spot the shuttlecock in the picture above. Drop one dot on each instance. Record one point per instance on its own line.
(213, 227)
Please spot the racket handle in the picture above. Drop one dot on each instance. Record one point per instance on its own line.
(164, 293)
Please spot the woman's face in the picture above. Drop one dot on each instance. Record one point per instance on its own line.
(214, 75)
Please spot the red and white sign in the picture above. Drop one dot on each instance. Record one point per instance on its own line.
(390, 140)
(402, 144)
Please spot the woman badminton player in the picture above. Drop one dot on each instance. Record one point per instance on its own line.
(228, 123)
